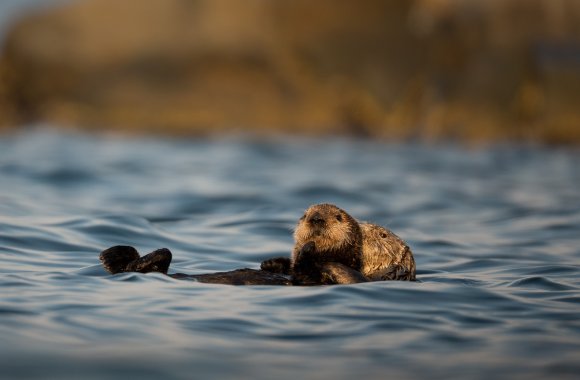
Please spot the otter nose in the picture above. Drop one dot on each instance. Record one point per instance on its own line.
(316, 218)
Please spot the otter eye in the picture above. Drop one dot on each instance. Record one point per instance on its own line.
(383, 235)
(339, 217)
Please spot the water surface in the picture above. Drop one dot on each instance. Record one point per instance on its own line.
(495, 232)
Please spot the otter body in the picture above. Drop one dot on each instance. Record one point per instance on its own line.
(121, 258)
(330, 247)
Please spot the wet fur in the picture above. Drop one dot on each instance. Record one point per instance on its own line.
(347, 251)
(330, 247)
(331, 236)
(385, 255)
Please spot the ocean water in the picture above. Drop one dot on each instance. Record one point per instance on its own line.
(495, 232)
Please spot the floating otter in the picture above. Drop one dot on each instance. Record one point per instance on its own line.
(331, 247)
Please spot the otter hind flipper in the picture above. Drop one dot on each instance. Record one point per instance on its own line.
(124, 258)
(279, 265)
(156, 261)
(117, 258)
(337, 273)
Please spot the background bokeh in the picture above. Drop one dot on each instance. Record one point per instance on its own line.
(478, 70)
(495, 230)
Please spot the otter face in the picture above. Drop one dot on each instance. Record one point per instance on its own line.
(328, 226)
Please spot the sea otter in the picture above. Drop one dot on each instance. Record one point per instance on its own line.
(331, 247)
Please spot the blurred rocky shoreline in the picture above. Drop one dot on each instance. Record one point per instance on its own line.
(424, 69)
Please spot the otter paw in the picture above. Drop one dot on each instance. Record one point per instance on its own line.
(306, 271)
(277, 265)
(307, 249)
(305, 258)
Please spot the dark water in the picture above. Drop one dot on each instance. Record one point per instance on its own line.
(496, 236)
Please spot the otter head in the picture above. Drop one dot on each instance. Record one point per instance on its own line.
(329, 227)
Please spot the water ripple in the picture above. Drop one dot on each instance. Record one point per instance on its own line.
(495, 233)
(539, 282)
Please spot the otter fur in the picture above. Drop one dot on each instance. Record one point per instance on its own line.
(330, 247)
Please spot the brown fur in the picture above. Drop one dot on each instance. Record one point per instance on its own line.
(373, 250)
(331, 247)
(337, 239)
(382, 251)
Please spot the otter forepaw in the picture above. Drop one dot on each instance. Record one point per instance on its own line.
(307, 249)
(305, 258)
(278, 265)
(305, 270)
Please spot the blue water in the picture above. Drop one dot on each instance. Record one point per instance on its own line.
(495, 232)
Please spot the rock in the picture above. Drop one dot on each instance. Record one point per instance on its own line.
(194, 67)
(390, 69)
